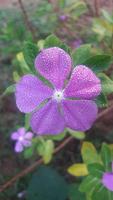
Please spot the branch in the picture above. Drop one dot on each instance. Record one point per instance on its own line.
(26, 19)
(40, 161)
(97, 7)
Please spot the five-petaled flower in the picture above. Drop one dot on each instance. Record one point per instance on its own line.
(22, 138)
(69, 102)
(107, 179)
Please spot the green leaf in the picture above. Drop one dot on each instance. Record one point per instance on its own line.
(16, 76)
(74, 193)
(107, 83)
(88, 184)
(23, 65)
(53, 41)
(28, 152)
(76, 9)
(96, 170)
(48, 151)
(58, 137)
(81, 54)
(47, 184)
(101, 101)
(106, 156)
(77, 134)
(107, 16)
(30, 52)
(101, 193)
(79, 169)
(89, 153)
(98, 62)
(9, 90)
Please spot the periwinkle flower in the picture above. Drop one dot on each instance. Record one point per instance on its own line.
(22, 138)
(107, 180)
(63, 17)
(70, 101)
(76, 43)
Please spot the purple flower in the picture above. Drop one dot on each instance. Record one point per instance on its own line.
(67, 104)
(107, 180)
(63, 17)
(76, 43)
(23, 139)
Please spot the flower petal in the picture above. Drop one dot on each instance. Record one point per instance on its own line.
(107, 181)
(19, 147)
(15, 136)
(28, 136)
(21, 131)
(83, 84)
(79, 114)
(54, 64)
(26, 143)
(48, 120)
(30, 92)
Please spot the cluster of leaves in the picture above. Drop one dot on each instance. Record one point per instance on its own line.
(94, 166)
(103, 28)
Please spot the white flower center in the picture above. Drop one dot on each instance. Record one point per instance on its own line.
(21, 138)
(58, 95)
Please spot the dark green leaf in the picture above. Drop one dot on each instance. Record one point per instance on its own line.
(81, 54)
(74, 193)
(53, 41)
(30, 52)
(47, 184)
(101, 101)
(99, 62)
(107, 83)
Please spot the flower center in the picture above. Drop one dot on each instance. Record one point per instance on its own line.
(21, 138)
(58, 95)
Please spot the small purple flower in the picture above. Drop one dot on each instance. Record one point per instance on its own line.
(63, 17)
(76, 43)
(23, 139)
(68, 103)
(107, 180)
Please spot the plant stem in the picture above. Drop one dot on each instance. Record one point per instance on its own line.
(97, 7)
(26, 19)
